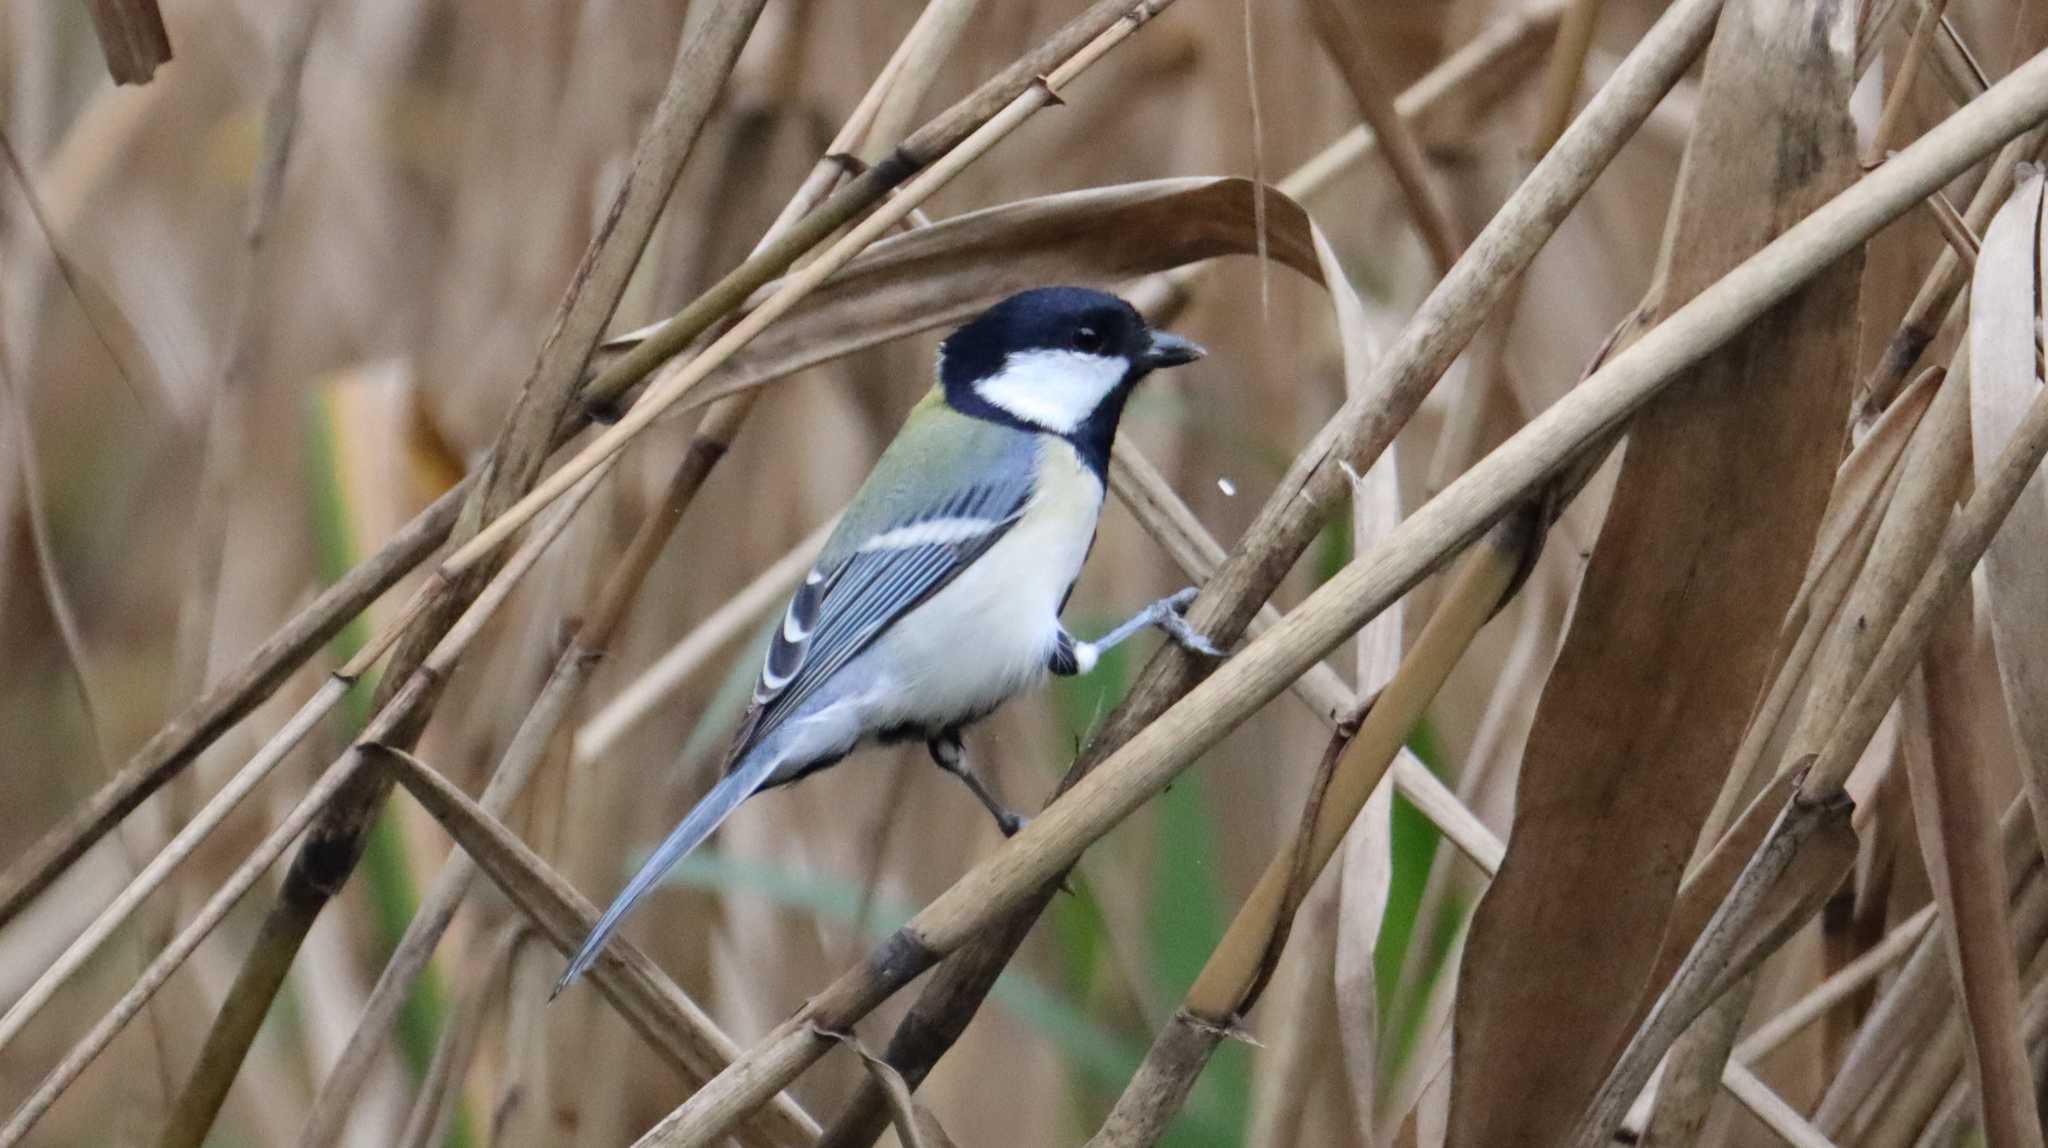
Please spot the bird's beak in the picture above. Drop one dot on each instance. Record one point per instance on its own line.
(1171, 350)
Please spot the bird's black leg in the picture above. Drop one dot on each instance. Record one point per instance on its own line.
(951, 756)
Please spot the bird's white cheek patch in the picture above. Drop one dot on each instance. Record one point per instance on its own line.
(1056, 390)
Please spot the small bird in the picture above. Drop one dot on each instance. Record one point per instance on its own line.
(938, 596)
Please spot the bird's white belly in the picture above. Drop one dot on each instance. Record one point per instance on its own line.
(993, 629)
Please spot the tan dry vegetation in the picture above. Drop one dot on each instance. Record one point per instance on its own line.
(1597, 446)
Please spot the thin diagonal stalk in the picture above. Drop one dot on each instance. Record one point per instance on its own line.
(517, 490)
(285, 928)
(174, 853)
(431, 1111)
(1492, 62)
(508, 781)
(944, 1009)
(223, 447)
(734, 619)
(1954, 809)
(1590, 413)
(1341, 25)
(1900, 90)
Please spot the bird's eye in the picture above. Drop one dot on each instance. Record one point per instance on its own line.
(1088, 340)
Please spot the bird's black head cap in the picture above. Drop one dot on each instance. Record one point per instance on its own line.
(1056, 359)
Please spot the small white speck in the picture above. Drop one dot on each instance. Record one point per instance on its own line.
(1228, 487)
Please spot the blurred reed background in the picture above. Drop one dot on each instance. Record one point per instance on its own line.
(222, 394)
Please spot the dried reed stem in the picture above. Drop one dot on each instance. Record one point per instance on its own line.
(943, 1011)
(1428, 342)
(133, 37)
(222, 450)
(1955, 813)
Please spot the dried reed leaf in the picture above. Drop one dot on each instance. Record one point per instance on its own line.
(916, 1127)
(1720, 495)
(2005, 376)
(954, 269)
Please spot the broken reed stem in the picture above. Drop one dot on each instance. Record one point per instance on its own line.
(1149, 760)
(1241, 964)
(1911, 1006)
(180, 741)
(1742, 932)
(252, 868)
(1698, 1064)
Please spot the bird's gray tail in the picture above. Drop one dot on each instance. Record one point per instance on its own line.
(708, 814)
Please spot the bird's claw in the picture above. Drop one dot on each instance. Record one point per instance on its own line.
(1011, 823)
(1172, 618)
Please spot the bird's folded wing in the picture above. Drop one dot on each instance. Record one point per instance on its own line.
(849, 601)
